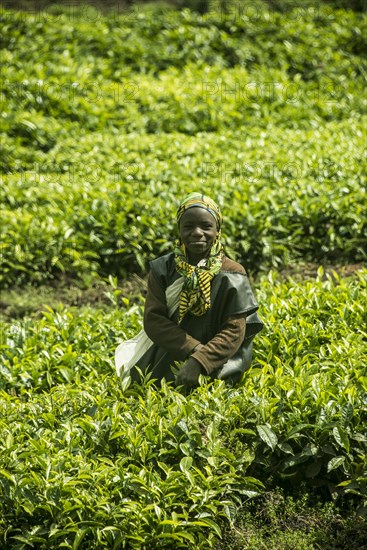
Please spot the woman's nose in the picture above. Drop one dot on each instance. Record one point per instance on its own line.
(197, 231)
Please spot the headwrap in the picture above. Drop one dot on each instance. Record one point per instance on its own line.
(195, 293)
(203, 201)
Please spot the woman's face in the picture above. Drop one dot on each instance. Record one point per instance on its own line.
(198, 231)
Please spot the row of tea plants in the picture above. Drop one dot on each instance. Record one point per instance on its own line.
(107, 121)
(105, 115)
(88, 461)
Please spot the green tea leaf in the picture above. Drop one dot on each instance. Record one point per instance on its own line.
(267, 435)
(186, 463)
(335, 462)
(341, 437)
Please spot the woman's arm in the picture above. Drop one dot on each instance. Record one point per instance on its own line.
(160, 328)
(223, 345)
(208, 357)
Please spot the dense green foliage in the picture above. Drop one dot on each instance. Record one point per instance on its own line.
(86, 457)
(104, 115)
(108, 120)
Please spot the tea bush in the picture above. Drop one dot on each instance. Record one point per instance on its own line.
(108, 120)
(91, 462)
(95, 216)
(118, 112)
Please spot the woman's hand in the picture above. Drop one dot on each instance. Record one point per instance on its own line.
(189, 373)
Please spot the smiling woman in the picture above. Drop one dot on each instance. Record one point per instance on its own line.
(199, 310)
(198, 231)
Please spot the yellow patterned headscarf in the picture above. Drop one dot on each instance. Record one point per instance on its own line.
(195, 294)
(197, 199)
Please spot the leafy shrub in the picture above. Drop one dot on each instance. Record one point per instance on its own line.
(94, 463)
(105, 116)
(106, 125)
(91, 214)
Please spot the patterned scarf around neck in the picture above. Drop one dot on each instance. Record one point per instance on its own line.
(195, 293)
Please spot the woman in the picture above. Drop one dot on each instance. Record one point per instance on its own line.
(199, 308)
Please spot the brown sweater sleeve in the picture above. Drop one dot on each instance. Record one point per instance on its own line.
(160, 328)
(223, 345)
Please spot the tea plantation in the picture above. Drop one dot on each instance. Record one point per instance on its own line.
(108, 120)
